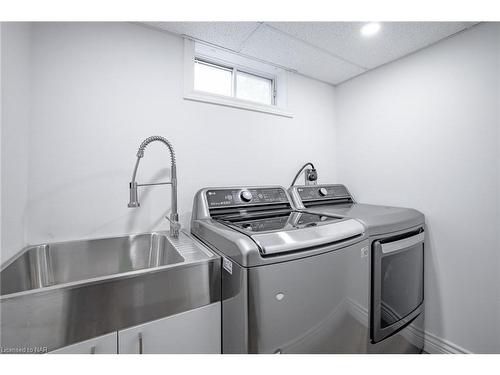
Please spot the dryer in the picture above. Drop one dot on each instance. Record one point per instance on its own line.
(396, 271)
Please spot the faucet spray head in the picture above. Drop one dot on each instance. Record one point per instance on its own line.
(134, 200)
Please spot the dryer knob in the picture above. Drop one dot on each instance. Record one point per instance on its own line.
(323, 192)
(246, 196)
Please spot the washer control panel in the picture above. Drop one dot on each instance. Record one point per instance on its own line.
(245, 196)
(308, 193)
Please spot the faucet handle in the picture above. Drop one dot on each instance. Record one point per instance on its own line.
(134, 200)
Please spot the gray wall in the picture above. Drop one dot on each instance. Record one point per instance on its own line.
(423, 132)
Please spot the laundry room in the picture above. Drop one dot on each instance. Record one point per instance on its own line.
(217, 186)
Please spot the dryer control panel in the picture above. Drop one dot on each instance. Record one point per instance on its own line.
(304, 196)
(322, 192)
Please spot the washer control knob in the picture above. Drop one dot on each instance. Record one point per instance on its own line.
(246, 196)
(323, 192)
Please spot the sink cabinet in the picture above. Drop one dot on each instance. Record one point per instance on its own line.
(106, 344)
(196, 331)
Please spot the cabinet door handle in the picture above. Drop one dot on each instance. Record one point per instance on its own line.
(140, 343)
(92, 350)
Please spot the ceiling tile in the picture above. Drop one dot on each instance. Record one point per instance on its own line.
(225, 34)
(394, 40)
(271, 45)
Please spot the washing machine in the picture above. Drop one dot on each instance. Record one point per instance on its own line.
(396, 236)
(292, 281)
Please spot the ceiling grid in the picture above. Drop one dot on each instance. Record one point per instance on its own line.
(332, 52)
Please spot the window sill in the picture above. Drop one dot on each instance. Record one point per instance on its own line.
(236, 103)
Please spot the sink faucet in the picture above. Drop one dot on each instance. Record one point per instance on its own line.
(134, 201)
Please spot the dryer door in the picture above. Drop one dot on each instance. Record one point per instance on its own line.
(397, 283)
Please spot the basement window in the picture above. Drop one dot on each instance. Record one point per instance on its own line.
(232, 82)
(218, 76)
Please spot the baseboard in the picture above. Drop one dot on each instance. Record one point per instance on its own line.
(437, 345)
(432, 343)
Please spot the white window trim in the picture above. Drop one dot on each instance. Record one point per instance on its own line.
(280, 85)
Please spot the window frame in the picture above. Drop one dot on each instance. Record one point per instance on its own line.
(218, 57)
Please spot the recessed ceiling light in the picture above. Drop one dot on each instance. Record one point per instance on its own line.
(370, 29)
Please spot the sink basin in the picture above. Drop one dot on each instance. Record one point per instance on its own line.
(58, 294)
(51, 264)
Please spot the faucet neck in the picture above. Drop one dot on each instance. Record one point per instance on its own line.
(174, 216)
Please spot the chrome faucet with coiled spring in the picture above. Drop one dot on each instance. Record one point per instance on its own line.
(134, 201)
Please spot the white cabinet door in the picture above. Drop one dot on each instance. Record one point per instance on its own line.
(194, 331)
(106, 344)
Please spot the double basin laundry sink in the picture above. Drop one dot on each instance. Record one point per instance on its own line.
(53, 295)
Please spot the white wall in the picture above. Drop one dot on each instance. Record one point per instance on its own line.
(423, 132)
(1, 148)
(15, 98)
(99, 89)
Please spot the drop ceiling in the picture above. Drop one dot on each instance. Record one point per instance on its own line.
(331, 52)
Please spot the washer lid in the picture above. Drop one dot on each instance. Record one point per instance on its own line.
(307, 237)
(282, 231)
(277, 220)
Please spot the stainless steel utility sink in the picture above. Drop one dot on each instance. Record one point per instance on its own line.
(57, 294)
(59, 263)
